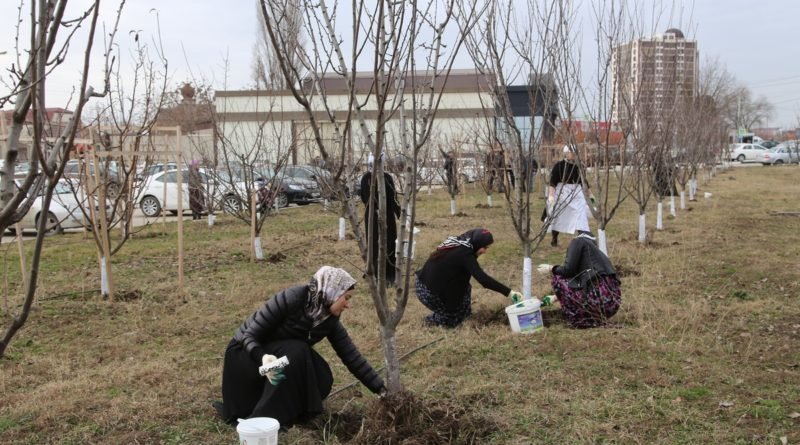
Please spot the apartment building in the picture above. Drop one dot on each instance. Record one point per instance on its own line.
(651, 76)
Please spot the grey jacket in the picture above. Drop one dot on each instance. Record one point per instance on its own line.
(283, 317)
(583, 254)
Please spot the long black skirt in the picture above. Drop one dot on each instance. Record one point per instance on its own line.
(298, 398)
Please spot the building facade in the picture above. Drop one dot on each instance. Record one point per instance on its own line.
(651, 77)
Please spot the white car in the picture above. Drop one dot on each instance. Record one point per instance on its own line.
(160, 192)
(746, 152)
(64, 212)
(785, 153)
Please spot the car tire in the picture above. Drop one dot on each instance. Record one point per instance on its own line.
(53, 225)
(740, 158)
(112, 190)
(231, 204)
(282, 200)
(778, 162)
(150, 206)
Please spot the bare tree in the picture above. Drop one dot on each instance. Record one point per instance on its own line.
(288, 20)
(51, 33)
(411, 55)
(520, 43)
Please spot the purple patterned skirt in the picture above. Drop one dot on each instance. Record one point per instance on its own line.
(588, 309)
(441, 316)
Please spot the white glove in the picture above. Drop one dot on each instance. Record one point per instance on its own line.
(544, 268)
(275, 375)
(515, 296)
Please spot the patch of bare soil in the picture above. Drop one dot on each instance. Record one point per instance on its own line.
(276, 257)
(624, 270)
(406, 419)
(131, 295)
(489, 316)
(461, 214)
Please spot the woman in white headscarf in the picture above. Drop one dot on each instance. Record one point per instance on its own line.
(566, 205)
(290, 324)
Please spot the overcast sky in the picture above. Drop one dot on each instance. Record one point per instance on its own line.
(755, 40)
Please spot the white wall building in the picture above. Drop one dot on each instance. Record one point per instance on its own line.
(274, 124)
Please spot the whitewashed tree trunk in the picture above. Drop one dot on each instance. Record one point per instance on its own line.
(341, 228)
(489, 200)
(257, 247)
(601, 238)
(642, 228)
(660, 216)
(683, 199)
(672, 205)
(104, 288)
(527, 278)
(211, 219)
(452, 207)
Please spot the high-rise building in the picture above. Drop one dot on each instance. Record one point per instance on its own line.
(650, 76)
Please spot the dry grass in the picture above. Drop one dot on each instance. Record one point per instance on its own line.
(703, 350)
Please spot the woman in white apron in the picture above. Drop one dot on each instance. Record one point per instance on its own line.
(566, 206)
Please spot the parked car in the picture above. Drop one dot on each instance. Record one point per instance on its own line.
(320, 178)
(64, 212)
(160, 192)
(781, 154)
(746, 152)
(72, 172)
(768, 144)
(292, 189)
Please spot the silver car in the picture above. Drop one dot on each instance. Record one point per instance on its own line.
(784, 153)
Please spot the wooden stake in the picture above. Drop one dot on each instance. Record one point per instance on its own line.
(253, 226)
(22, 266)
(178, 161)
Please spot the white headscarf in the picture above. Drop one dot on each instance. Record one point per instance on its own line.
(328, 284)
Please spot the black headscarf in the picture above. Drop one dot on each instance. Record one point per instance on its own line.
(474, 239)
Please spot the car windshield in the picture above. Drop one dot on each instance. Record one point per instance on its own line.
(62, 188)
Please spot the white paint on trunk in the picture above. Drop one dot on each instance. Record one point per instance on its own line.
(489, 200)
(642, 228)
(452, 207)
(660, 216)
(103, 276)
(341, 228)
(527, 281)
(258, 249)
(601, 238)
(326, 204)
(672, 206)
(683, 199)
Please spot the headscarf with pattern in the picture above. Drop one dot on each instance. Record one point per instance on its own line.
(327, 285)
(474, 240)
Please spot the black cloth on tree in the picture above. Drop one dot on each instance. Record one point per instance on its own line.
(392, 213)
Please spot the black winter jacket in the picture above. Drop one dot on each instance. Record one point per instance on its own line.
(583, 254)
(283, 317)
(447, 275)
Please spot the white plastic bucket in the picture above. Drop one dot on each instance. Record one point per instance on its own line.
(258, 431)
(525, 317)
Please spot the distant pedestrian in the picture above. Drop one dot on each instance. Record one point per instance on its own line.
(566, 205)
(196, 201)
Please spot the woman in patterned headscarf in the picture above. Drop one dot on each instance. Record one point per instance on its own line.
(290, 324)
(443, 282)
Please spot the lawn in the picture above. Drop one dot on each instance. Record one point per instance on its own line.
(703, 350)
